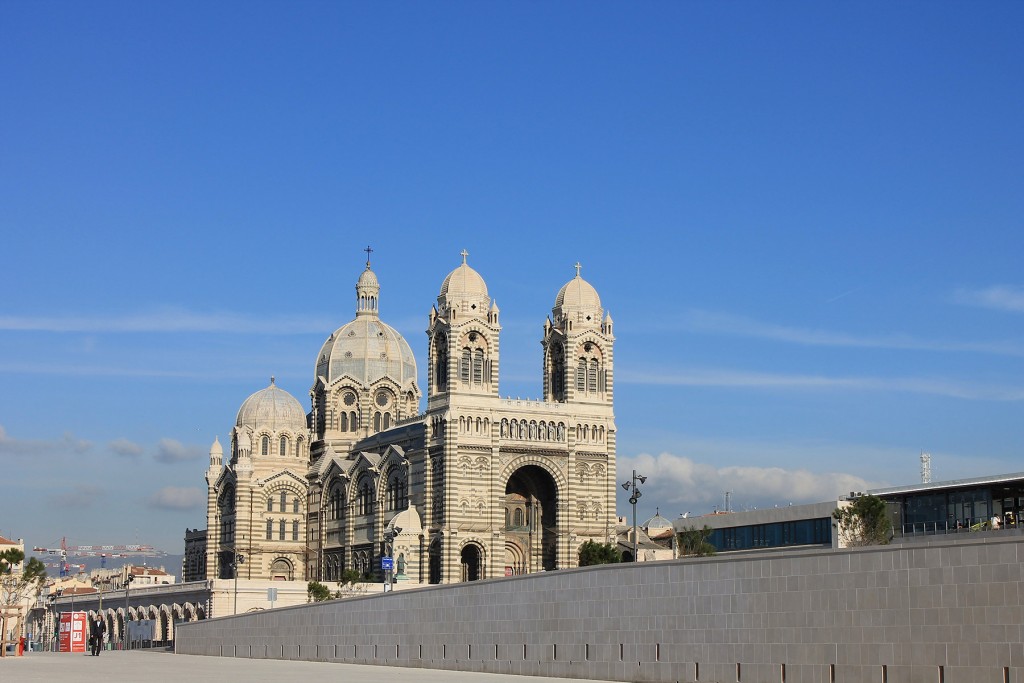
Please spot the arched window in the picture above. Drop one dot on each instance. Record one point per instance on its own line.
(478, 367)
(581, 375)
(298, 447)
(558, 372)
(365, 497)
(397, 493)
(592, 376)
(464, 366)
(441, 362)
(270, 529)
(265, 445)
(284, 446)
(295, 530)
(270, 504)
(280, 530)
(517, 518)
(295, 504)
(333, 504)
(387, 420)
(376, 421)
(353, 423)
(284, 500)
(344, 421)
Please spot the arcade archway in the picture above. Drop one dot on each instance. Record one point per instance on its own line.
(531, 504)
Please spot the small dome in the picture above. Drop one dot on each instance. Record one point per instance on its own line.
(656, 523)
(463, 285)
(216, 449)
(272, 408)
(578, 300)
(367, 278)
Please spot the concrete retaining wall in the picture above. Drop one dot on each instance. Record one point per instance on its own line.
(940, 613)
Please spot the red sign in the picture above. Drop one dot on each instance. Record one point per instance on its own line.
(73, 631)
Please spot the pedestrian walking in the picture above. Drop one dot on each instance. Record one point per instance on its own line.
(96, 631)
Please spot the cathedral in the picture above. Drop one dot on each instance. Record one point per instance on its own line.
(475, 486)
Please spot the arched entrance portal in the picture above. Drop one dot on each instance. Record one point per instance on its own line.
(470, 558)
(531, 502)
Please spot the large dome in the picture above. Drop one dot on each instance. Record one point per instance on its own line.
(578, 300)
(463, 285)
(272, 408)
(368, 350)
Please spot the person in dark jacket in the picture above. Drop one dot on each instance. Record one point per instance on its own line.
(96, 630)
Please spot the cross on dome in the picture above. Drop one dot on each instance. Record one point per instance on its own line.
(368, 251)
(578, 266)
(464, 254)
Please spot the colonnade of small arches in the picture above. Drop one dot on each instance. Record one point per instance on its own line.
(164, 617)
(282, 444)
(480, 426)
(590, 433)
(532, 430)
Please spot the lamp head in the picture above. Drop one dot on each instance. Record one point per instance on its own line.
(626, 484)
(642, 478)
(398, 530)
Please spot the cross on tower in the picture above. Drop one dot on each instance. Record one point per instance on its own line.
(368, 250)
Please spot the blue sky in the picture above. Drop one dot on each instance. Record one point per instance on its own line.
(805, 219)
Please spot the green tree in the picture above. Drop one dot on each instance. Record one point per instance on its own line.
(350, 576)
(17, 583)
(593, 552)
(865, 521)
(318, 592)
(693, 542)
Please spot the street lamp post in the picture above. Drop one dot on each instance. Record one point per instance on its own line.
(54, 622)
(124, 621)
(389, 545)
(633, 498)
(239, 559)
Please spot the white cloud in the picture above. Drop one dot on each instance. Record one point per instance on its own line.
(177, 498)
(172, 451)
(697, 487)
(764, 380)
(126, 448)
(999, 297)
(169, 320)
(724, 323)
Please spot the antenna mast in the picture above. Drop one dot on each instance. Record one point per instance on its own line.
(926, 468)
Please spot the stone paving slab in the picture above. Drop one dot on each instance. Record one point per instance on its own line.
(158, 666)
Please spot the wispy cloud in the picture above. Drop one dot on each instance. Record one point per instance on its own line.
(67, 443)
(762, 380)
(169, 320)
(125, 448)
(998, 297)
(693, 486)
(80, 497)
(177, 498)
(171, 451)
(724, 323)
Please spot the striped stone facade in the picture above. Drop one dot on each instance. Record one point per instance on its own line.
(476, 486)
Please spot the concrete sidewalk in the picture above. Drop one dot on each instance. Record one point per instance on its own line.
(158, 666)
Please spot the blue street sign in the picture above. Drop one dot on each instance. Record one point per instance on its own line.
(387, 563)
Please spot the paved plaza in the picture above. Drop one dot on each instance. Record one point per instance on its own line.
(158, 666)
